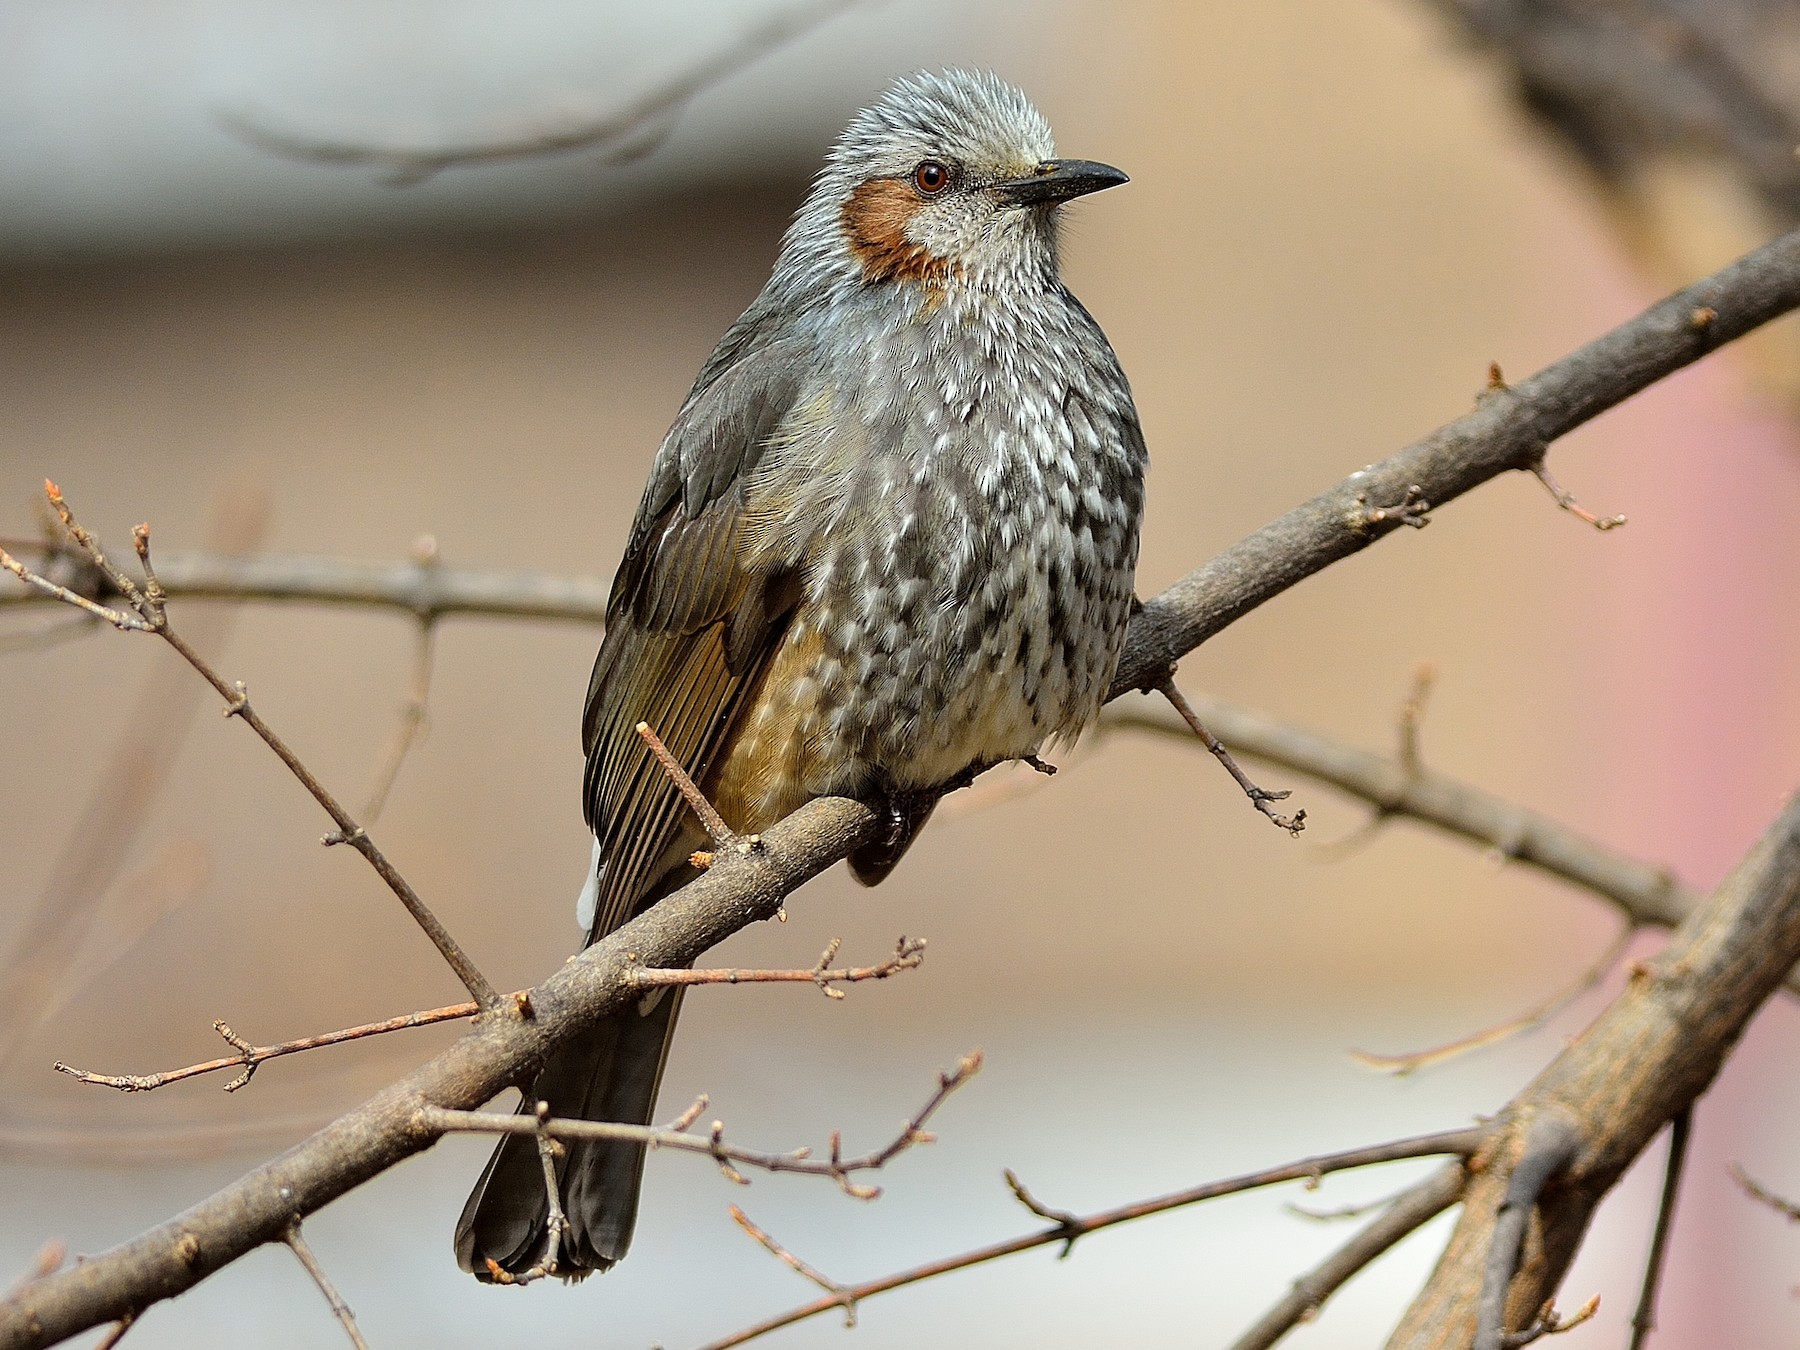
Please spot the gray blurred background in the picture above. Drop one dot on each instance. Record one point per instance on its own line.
(1335, 222)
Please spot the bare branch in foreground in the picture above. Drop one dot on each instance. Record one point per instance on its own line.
(1508, 431)
(628, 134)
(908, 954)
(339, 1308)
(249, 1057)
(148, 613)
(728, 1156)
(1067, 1228)
(506, 1046)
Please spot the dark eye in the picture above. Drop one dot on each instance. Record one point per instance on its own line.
(931, 177)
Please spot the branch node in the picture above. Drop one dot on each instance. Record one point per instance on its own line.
(1411, 510)
(1068, 1226)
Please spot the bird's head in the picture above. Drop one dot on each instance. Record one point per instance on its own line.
(946, 177)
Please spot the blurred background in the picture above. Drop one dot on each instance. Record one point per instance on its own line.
(1339, 214)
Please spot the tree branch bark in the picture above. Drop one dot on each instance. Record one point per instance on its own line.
(1644, 1061)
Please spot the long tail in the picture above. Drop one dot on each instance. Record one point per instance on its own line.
(612, 1074)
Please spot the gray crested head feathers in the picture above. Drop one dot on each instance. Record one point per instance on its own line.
(946, 180)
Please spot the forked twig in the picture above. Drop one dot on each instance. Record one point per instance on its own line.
(1067, 1227)
(148, 613)
(249, 1057)
(728, 1157)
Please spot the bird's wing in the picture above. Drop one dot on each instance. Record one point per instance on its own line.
(689, 625)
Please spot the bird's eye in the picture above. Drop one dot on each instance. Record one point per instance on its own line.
(931, 177)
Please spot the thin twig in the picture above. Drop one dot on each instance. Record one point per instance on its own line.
(415, 711)
(149, 614)
(556, 1222)
(1409, 724)
(1643, 1320)
(712, 1143)
(625, 135)
(1550, 1144)
(1406, 1213)
(722, 834)
(339, 1308)
(249, 1056)
(1535, 1016)
(1261, 798)
(1066, 1227)
(843, 1297)
(117, 1334)
(908, 953)
(1566, 500)
(1786, 1208)
(102, 893)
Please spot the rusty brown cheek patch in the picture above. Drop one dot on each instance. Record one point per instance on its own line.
(875, 220)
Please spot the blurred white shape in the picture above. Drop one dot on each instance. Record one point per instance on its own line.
(113, 109)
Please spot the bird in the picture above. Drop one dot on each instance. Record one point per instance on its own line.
(889, 541)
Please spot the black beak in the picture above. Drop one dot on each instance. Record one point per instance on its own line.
(1057, 180)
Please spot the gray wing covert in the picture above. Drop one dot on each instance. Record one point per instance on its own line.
(690, 624)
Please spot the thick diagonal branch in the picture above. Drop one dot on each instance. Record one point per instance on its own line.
(1644, 1061)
